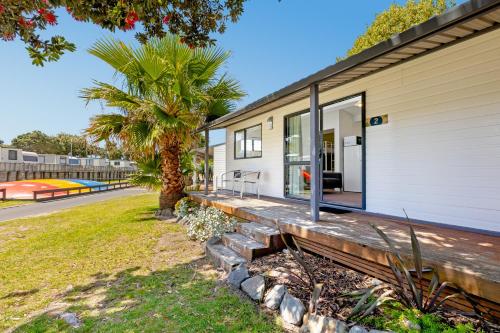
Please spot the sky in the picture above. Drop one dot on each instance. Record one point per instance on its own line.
(273, 44)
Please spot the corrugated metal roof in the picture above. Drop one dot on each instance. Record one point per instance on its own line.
(456, 24)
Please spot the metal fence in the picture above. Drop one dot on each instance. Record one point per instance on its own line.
(38, 167)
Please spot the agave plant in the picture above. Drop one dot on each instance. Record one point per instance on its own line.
(410, 289)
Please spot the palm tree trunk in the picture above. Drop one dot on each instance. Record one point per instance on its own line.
(173, 181)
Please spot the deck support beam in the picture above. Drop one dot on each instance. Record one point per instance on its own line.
(315, 152)
(206, 161)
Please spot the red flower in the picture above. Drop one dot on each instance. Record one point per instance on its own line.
(2, 9)
(42, 11)
(183, 40)
(130, 20)
(50, 18)
(167, 18)
(26, 24)
(191, 46)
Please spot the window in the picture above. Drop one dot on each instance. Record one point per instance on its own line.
(248, 142)
(12, 155)
(30, 158)
(239, 144)
(117, 163)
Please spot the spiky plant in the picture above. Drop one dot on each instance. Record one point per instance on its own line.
(169, 90)
(411, 293)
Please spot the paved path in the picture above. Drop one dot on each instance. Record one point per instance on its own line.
(47, 207)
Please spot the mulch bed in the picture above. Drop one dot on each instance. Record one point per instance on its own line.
(281, 268)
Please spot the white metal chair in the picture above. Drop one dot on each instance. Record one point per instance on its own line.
(235, 178)
(250, 177)
(239, 177)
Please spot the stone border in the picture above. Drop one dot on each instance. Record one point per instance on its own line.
(291, 309)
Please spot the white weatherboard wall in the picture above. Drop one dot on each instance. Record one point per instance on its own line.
(439, 155)
(219, 165)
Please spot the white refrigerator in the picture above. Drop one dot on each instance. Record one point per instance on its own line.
(352, 163)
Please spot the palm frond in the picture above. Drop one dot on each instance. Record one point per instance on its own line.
(114, 52)
(106, 126)
(148, 174)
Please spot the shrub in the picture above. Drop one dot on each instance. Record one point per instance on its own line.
(184, 207)
(209, 222)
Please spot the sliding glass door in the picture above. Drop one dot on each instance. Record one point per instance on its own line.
(297, 156)
(342, 152)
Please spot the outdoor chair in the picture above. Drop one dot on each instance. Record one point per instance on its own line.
(240, 177)
(233, 177)
(250, 177)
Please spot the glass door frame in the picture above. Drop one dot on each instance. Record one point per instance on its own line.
(363, 153)
(290, 163)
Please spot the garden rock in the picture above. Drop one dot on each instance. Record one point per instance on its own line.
(292, 310)
(275, 296)
(358, 329)
(254, 287)
(322, 324)
(71, 319)
(237, 276)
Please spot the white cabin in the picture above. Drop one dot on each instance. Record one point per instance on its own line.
(11, 155)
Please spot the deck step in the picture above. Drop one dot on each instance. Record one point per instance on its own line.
(223, 256)
(245, 246)
(268, 236)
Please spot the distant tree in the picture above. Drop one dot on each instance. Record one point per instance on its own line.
(36, 141)
(61, 144)
(1, 142)
(192, 20)
(77, 145)
(396, 19)
(113, 150)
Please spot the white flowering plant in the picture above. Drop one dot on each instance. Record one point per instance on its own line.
(209, 222)
(185, 207)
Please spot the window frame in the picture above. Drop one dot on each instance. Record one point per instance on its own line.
(286, 162)
(15, 152)
(244, 130)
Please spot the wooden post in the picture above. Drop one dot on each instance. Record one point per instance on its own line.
(315, 152)
(206, 161)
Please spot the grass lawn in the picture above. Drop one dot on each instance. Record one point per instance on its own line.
(10, 203)
(119, 269)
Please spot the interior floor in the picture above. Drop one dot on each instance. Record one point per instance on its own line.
(352, 199)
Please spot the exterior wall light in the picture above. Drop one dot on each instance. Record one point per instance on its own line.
(269, 122)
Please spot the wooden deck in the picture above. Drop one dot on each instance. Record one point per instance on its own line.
(471, 260)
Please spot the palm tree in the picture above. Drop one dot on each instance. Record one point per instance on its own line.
(168, 90)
